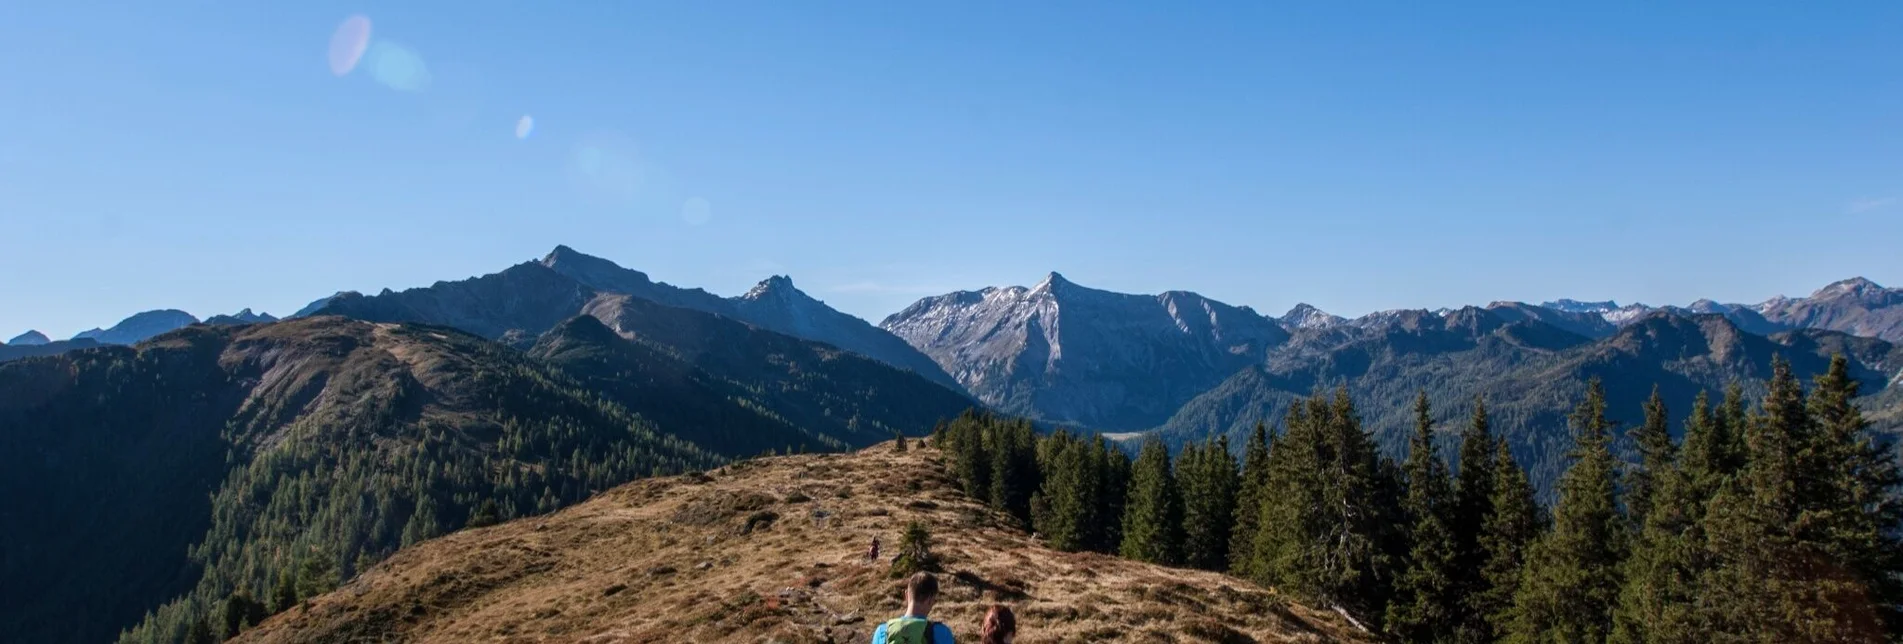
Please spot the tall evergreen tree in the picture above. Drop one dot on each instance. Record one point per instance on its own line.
(1660, 591)
(1014, 468)
(1859, 513)
(1254, 478)
(1071, 494)
(1656, 454)
(1473, 506)
(1571, 579)
(1208, 482)
(1115, 484)
(1427, 604)
(1320, 532)
(1705, 453)
(1153, 518)
(1776, 575)
(1514, 522)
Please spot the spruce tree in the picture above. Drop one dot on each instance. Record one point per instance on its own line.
(1208, 480)
(972, 462)
(1473, 506)
(1705, 454)
(1513, 522)
(200, 633)
(1321, 533)
(1656, 454)
(1071, 493)
(1427, 604)
(1249, 490)
(1859, 512)
(1571, 579)
(1014, 469)
(284, 595)
(1114, 470)
(1153, 518)
(1775, 574)
(1662, 576)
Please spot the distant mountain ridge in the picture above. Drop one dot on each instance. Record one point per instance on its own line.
(527, 299)
(140, 326)
(30, 338)
(1856, 306)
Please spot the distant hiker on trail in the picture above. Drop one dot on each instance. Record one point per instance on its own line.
(914, 627)
(873, 554)
(1001, 626)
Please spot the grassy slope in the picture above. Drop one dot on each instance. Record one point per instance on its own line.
(674, 560)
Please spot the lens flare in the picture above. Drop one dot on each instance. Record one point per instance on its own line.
(348, 43)
(523, 126)
(398, 68)
(606, 169)
(697, 211)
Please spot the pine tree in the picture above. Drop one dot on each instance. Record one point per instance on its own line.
(1513, 523)
(1208, 480)
(239, 611)
(1114, 487)
(1072, 494)
(1571, 579)
(1662, 576)
(1859, 511)
(200, 633)
(1320, 533)
(1473, 508)
(1775, 575)
(1014, 468)
(898, 442)
(284, 595)
(972, 460)
(1656, 454)
(1249, 490)
(1705, 455)
(1427, 595)
(1153, 518)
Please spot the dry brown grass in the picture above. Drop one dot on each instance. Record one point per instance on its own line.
(772, 551)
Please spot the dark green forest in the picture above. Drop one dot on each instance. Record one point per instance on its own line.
(194, 484)
(1772, 520)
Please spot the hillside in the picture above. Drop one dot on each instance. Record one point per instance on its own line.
(1532, 374)
(220, 458)
(772, 550)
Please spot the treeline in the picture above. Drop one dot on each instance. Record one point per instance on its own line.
(1777, 522)
(338, 493)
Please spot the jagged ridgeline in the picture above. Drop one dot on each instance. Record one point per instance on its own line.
(1779, 519)
(211, 475)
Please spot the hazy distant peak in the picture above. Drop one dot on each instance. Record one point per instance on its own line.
(1855, 286)
(29, 339)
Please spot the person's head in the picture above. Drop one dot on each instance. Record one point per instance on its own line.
(1001, 626)
(921, 592)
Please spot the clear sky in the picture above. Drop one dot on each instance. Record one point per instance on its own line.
(1359, 156)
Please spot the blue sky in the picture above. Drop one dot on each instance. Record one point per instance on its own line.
(1358, 156)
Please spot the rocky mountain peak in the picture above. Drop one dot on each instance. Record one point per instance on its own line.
(1306, 316)
(1856, 287)
(779, 286)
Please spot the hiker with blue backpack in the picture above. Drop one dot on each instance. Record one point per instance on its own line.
(916, 626)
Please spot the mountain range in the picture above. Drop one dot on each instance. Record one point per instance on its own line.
(151, 479)
(154, 479)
